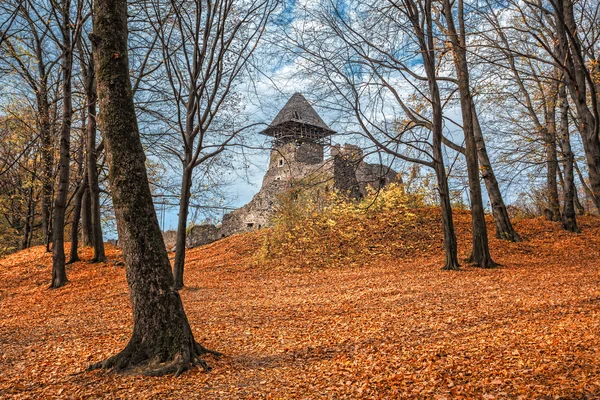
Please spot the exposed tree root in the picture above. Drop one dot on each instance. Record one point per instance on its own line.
(136, 360)
(451, 267)
(487, 263)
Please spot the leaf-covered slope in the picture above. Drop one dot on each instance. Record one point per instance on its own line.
(390, 328)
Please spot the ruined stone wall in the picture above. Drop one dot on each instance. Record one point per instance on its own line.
(199, 235)
(345, 170)
(344, 175)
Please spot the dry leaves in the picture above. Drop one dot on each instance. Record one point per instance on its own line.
(390, 328)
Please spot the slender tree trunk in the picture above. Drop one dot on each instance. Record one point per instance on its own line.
(28, 217)
(162, 341)
(73, 257)
(481, 253)
(87, 234)
(186, 184)
(47, 167)
(504, 228)
(586, 188)
(450, 245)
(424, 34)
(551, 162)
(59, 275)
(569, 218)
(92, 171)
(575, 78)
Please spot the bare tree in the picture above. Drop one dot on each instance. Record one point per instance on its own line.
(70, 30)
(357, 62)
(206, 47)
(29, 53)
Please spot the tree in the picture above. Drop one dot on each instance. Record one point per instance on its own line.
(91, 153)
(457, 37)
(68, 28)
(30, 55)
(206, 47)
(162, 341)
(361, 64)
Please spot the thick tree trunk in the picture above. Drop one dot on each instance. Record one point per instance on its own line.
(504, 228)
(162, 341)
(92, 171)
(186, 184)
(481, 252)
(569, 218)
(59, 275)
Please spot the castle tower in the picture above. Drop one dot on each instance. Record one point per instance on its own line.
(299, 134)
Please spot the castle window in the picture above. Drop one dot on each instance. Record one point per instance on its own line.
(281, 162)
(278, 178)
(250, 224)
(296, 116)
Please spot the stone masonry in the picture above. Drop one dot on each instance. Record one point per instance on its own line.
(299, 140)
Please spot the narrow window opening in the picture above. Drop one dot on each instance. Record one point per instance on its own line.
(281, 162)
(250, 224)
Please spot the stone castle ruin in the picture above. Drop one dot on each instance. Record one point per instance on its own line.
(299, 138)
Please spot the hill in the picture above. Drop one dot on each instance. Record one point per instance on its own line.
(389, 326)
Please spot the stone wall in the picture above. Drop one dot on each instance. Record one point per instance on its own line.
(345, 170)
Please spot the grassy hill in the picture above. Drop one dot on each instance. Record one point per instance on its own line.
(383, 321)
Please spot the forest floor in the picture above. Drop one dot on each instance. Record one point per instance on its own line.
(391, 328)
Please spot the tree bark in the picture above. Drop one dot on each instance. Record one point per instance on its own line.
(481, 253)
(504, 228)
(577, 80)
(59, 275)
(549, 137)
(27, 229)
(162, 341)
(47, 164)
(73, 256)
(92, 169)
(87, 234)
(569, 218)
(186, 184)
(429, 57)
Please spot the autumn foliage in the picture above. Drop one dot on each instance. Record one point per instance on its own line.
(389, 325)
(316, 231)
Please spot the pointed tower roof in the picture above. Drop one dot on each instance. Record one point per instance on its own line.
(298, 110)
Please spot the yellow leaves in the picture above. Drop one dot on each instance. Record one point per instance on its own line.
(343, 232)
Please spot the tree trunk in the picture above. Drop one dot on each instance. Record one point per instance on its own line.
(47, 166)
(570, 51)
(481, 252)
(549, 138)
(504, 228)
(73, 257)
(569, 218)
(186, 183)
(429, 57)
(162, 341)
(87, 234)
(92, 171)
(59, 275)
(586, 188)
(27, 229)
